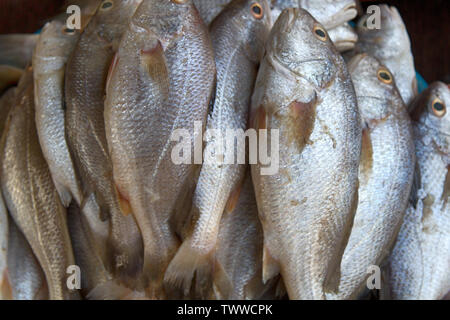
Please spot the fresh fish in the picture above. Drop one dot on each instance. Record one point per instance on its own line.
(385, 173)
(391, 45)
(239, 250)
(330, 13)
(9, 76)
(277, 6)
(343, 37)
(307, 207)
(238, 34)
(25, 275)
(53, 48)
(85, 81)
(160, 80)
(16, 50)
(209, 9)
(30, 195)
(419, 266)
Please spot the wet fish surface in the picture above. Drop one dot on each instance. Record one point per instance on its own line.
(25, 276)
(238, 34)
(391, 45)
(239, 251)
(418, 267)
(343, 37)
(330, 13)
(385, 173)
(161, 80)
(210, 9)
(31, 196)
(307, 207)
(85, 81)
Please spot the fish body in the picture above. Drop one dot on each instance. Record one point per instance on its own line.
(209, 9)
(277, 6)
(307, 207)
(238, 34)
(25, 276)
(391, 45)
(419, 265)
(85, 81)
(330, 13)
(30, 194)
(239, 250)
(385, 173)
(161, 80)
(53, 48)
(343, 37)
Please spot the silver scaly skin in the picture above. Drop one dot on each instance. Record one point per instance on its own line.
(161, 80)
(238, 34)
(210, 9)
(85, 81)
(391, 45)
(306, 208)
(30, 194)
(385, 173)
(419, 266)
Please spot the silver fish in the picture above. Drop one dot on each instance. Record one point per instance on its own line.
(25, 276)
(391, 45)
(238, 34)
(53, 48)
(161, 80)
(30, 194)
(304, 90)
(385, 173)
(330, 13)
(85, 81)
(238, 269)
(419, 266)
(210, 9)
(343, 37)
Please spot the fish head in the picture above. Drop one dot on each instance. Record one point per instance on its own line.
(331, 13)
(432, 109)
(253, 18)
(375, 89)
(167, 20)
(386, 40)
(108, 13)
(301, 45)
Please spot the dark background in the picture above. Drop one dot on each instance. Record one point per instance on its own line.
(427, 22)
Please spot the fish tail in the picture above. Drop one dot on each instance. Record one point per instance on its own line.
(17, 49)
(64, 194)
(110, 290)
(222, 285)
(187, 263)
(5, 287)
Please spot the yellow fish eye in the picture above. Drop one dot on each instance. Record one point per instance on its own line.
(438, 107)
(320, 33)
(68, 31)
(385, 76)
(257, 10)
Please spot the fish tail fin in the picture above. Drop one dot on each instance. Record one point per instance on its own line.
(110, 290)
(222, 285)
(64, 194)
(17, 49)
(187, 263)
(5, 287)
(9, 76)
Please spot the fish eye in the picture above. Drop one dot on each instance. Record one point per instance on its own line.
(68, 31)
(257, 10)
(384, 76)
(320, 33)
(438, 107)
(106, 5)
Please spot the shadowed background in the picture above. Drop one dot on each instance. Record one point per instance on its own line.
(427, 22)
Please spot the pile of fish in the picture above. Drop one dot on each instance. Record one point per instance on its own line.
(92, 205)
